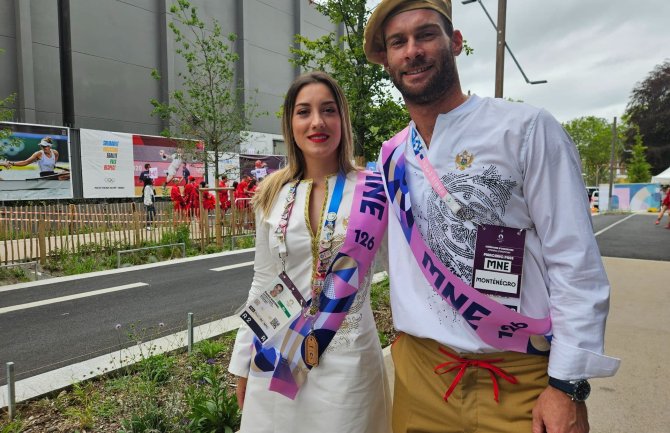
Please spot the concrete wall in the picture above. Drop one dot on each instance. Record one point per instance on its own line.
(116, 45)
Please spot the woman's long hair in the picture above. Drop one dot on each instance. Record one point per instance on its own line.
(295, 169)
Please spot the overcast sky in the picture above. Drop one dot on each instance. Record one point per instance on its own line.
(591, 52)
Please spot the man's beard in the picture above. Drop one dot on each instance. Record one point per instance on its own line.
(442, 81)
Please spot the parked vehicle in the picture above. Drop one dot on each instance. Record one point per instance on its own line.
(595, 202)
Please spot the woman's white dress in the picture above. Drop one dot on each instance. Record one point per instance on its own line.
(348, 391)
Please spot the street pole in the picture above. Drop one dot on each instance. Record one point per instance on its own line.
(609, 206)
(500, 48)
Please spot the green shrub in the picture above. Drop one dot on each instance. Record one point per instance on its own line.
(148, 418)
(15, 426)
(157, 368)
(211, 408)
(209, 349)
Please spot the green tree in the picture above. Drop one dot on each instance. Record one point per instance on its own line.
(639, 170)
(593, 138)
(208, 106)
(375, 114)
(649, 110)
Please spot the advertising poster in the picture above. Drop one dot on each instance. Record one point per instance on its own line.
(35, 162)
(113, 162)
(259, 166)
(167, 163)
(107, 164)
(229, 164)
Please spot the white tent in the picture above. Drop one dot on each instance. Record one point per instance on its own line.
(663, 178)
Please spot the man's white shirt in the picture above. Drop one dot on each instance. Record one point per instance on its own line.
(507, 164)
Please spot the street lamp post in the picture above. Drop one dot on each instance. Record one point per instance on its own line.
(502, 45)
(612, 164)
(500, 48)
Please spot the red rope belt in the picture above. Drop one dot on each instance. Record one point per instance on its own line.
(461, 364)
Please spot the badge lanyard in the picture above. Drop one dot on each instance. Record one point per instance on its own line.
(429, 172)
(324, 257)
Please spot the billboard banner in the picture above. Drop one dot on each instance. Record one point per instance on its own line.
(629, 196)
(259, 166)
(35, 162)
(167, 162)
(107, 164)
(113, 162)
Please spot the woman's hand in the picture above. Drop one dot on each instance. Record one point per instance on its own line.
(241, 390)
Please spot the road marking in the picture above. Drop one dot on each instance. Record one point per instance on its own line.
(612, 225)
(70, 297)
(225, 268)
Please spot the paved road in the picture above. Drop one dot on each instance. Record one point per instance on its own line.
(634, 237)
(44, 337)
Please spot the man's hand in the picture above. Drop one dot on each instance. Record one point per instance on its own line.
(555, 412)
(241, 390)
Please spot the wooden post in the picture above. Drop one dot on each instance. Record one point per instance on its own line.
(136, 225)
(203, 220)
(217, 218)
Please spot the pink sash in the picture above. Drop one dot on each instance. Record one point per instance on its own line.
(367, 225)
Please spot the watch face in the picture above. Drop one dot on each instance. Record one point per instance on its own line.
(582, 391)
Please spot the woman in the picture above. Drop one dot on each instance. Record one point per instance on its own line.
(149, 198)
(46, 159)
(301, 230)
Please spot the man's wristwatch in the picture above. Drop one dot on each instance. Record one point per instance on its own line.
(577, 390)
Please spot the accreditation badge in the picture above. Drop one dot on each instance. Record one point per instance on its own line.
(498, 263)
(270, 312)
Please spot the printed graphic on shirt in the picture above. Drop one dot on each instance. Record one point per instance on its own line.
(484, 198)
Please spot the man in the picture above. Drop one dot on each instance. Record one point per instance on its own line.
(145, 174)
(490, 195)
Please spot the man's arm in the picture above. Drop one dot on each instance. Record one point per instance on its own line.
(578, 286)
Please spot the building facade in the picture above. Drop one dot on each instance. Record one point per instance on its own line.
(115, 44)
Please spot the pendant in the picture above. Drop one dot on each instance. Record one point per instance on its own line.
(311, 350)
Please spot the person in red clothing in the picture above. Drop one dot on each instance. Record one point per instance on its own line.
(177, 198)
(224, 197)
(251, 188)
(191, 197)
(665, 205)
(208, 201)
(241, 198)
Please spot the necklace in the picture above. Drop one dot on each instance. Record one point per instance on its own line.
(323, 260)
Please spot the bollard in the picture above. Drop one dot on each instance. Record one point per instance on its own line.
(11, 403)
(190, 333)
